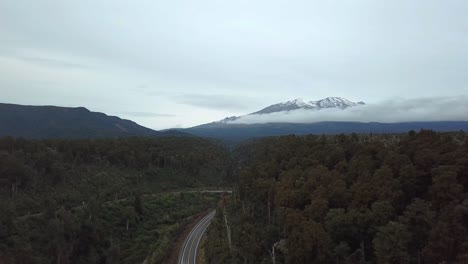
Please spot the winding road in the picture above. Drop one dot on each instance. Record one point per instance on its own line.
(189, 252)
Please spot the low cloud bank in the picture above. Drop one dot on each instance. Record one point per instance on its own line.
(390, 111)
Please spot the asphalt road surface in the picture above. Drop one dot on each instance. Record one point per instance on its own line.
(190, 249)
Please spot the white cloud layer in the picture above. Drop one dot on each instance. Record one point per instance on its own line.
(389, 111)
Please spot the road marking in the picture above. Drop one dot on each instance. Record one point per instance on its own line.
(195, 234)
(199, 233)
(200, 238)
(190, 238)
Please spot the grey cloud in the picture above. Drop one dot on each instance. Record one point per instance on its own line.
(270, 50)
(389, 111)
(364, 45)
(215, 101)
(48, 62)
(147, 114)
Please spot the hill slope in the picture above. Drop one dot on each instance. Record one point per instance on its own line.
(66, 122)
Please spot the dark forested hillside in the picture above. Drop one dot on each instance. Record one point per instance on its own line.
(102, 200)
(347, 199)
(235, 133)
(298, 199)
(66, 122)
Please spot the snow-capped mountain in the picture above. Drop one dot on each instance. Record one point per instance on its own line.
(281, 119)
(329, 102)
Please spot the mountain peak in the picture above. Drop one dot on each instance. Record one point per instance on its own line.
(299, 103)
(335, 102)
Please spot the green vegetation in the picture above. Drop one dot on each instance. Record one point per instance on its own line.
(102, 200)
(347, 199)
(297, 199)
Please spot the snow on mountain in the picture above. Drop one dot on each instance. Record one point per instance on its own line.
(329, 102)
(299, 103)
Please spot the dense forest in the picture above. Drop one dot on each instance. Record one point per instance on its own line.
(103, 200)
(297, 199)
(346, 199)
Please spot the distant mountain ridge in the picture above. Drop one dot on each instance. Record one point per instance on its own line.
(232, 130)
(235, 133)
(67, 122)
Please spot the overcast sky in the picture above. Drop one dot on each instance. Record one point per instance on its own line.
(181, 63)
